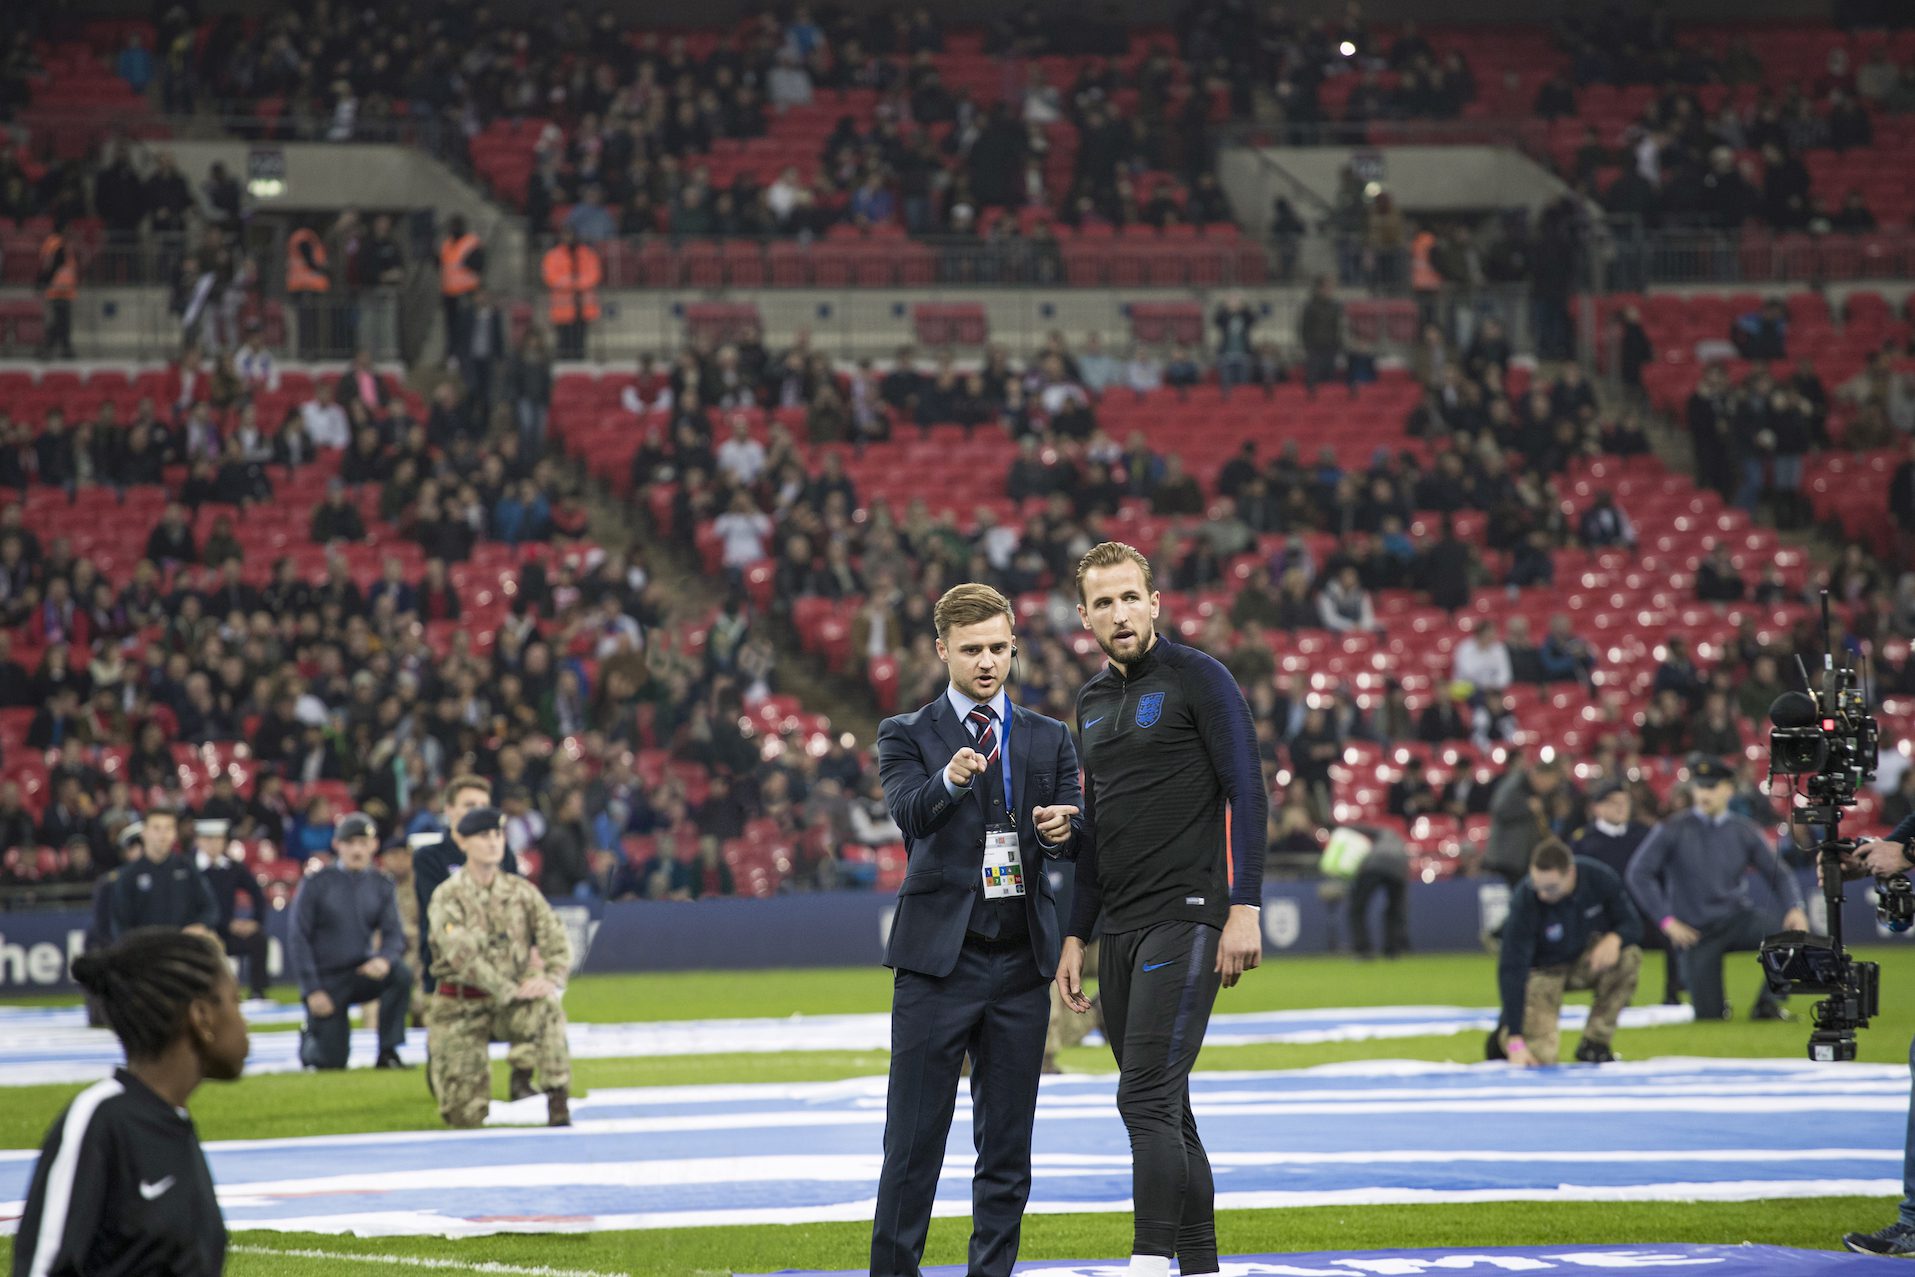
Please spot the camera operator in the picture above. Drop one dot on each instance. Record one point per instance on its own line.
(1691, 878)
(1884, 858)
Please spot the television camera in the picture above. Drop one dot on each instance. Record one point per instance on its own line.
(1824, 740)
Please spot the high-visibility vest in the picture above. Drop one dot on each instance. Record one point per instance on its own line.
(63, 280)
(571, 277)
(306, 263)
(1423, 274)
(456, 279)
(1344, 854)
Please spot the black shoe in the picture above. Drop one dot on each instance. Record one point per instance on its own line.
(1588, 1052)
(1771, 1011)
(521, 1085)
(1896, 1241)
(390, 1060)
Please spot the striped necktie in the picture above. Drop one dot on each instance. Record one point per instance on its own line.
(983, 722)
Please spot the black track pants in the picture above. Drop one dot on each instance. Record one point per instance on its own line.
(1157, 986)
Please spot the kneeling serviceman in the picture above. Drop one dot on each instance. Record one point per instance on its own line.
(500, 957)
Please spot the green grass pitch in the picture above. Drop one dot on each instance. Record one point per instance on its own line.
(363, 1100)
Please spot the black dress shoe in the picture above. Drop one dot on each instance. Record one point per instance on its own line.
(1588, 1052)
(390, 1060)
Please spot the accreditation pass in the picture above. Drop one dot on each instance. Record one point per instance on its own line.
(1003, 867)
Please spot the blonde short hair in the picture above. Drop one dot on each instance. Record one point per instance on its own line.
(968, 604)
(459, 784)
(1109, 555)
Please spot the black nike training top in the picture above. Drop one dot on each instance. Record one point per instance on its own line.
(1171, 772)
(121, 1190)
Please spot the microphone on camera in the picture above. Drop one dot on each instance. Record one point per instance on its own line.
(1793, 709)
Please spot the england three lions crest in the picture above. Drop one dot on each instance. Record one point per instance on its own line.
(1150, 709)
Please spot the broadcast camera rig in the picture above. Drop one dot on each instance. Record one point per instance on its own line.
(1826, 741)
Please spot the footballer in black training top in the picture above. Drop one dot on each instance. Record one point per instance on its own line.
(1170, 868)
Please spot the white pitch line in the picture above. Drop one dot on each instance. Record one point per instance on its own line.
(411, 1261)
(864, 1167)
(960, 1207)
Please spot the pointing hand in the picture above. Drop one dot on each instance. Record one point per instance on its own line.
(966, 763)
(1053, 823)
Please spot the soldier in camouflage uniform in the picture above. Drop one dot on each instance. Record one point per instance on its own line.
(485, 926)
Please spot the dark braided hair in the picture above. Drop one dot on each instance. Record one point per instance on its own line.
(146, 981)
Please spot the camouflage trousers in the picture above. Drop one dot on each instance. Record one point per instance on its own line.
(1543, 1005)
(458, 1032)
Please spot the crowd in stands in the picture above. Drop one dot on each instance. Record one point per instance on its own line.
(365, 654)
(1087, 128)
(624, 153)
(625, 737)
(1742, 161)
(627, 120)
(1479, 453)
(631, 116)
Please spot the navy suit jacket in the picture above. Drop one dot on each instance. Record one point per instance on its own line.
(945, 835)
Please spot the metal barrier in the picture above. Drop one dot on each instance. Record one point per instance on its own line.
(147, 323)
(1527, 134)
(404, 323)
(1631, 255)
(864, 295)
(69, 130)
(1185, 257)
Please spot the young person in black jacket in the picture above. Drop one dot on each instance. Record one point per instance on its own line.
(121, 1186)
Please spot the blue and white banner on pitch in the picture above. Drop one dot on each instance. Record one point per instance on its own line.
(1343, 1135)
(53, 1044)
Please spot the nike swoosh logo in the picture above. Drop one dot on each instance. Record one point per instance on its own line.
(152, 1191)
(1152, 966)
(1095, 721)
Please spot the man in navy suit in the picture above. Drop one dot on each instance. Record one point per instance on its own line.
(983, 791)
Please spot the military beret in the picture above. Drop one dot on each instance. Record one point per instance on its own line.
(481, 820)
(357, 825)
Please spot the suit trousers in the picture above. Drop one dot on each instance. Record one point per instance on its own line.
(994, 1007)
(326, 1044)
(1739, 932)
(1396, 912)
(253, 948)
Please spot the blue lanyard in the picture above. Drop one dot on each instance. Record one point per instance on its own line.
(1004, 762)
